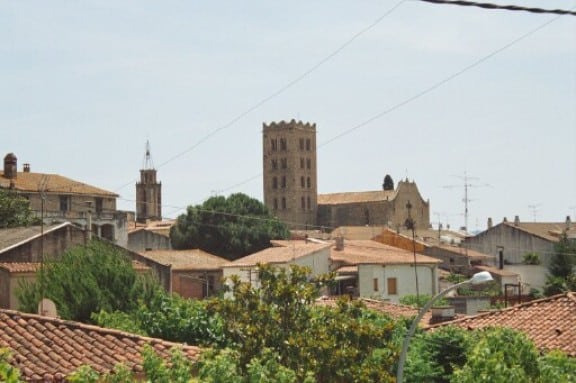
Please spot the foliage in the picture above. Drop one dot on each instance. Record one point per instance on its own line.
(434, 355)
(8, 373)
(562, 276)
(557, 367)
(456, 278)
(119, 320)
(532, 258)
(228, 227)
(15, 210)
(342, 344)
(87, 279)
(499, 355)
(388, 183)
(420, 300)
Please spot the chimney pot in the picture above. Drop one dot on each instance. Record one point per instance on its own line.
(10, 162)
(516, 220)
(26, 168)
(489, 222)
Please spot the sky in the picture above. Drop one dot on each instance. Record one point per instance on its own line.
(442, 95)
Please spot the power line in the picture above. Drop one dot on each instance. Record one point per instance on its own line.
(504, 7)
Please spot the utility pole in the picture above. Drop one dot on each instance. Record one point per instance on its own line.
(410, 225)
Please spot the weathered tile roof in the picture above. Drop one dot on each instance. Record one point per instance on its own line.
(32, 267)
(496, 271)
(193, 259)
(462, 251)
(356, 197)
(549, 322)
(280, 254)
(54, 183)
(550, 231)
(357, 232)
(49, 349)
(157, 227)
(356, 252)
(18, 235)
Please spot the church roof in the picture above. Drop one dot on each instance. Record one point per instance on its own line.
(356, 197)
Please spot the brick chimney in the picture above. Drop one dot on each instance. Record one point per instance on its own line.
(490, 223)
(516, 220)
(10, 169)
(568, 222)
(26, 168)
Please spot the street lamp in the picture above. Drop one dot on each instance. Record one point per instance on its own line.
(478, 278)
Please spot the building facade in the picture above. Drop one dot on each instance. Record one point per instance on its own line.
(55, 198)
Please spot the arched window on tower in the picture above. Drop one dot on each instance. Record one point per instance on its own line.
(308, 201)
(302, 203)
(274, 183)
(283, 202)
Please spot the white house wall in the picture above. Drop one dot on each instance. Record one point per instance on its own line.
(405, 281)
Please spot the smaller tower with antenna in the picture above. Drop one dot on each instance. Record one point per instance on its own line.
(148, 192)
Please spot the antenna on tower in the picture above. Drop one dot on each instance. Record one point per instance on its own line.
(467, 185)
(147, 163)
(534, 208)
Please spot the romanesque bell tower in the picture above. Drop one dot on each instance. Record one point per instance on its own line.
(148, 192)
(290, 175)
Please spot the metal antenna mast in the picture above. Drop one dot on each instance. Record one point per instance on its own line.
(467, 185)
(148, 164)
(534, 209)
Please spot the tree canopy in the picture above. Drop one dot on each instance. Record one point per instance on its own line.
(388, 183)
(15, 210)
(562, 265)
(87, 279)
(230, 227)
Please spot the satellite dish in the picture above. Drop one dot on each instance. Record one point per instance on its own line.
(47, 308)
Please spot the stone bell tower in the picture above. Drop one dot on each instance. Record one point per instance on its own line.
(148, 192)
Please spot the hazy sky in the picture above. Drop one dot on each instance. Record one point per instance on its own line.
(406, 88)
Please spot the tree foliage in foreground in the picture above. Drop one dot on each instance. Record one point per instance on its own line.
(88, 279)
(342, 344)
(230, 227)
(562, 265)
(15, 210)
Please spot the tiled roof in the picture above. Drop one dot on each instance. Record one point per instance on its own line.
(193, 259)
(54, 183)
(550, 231)
(372, 252)
(48, 349)
(14, 236)
(279, 254)
(549, 322)
(496, 271)
(157, 227)
(356, 197)
(357, 232)
(472, 254)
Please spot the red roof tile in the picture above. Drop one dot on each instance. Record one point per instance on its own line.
(43, 346)
(54, 183)
(357, 252)
(549, 322)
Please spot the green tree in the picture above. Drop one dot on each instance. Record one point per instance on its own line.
(15, 210)
(88, 279)
(561, 268)
(228, 227)
(499, 355)
(343, 344)
(557, 367)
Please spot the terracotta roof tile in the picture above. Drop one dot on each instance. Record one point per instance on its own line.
(193, 259)
(549, 322)
(357, 252)
(550, 231)
(279, 254)
(13, 236)
(28, 182)
(355, 197)
(42, 345)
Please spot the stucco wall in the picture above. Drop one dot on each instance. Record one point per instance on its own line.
(142, 240)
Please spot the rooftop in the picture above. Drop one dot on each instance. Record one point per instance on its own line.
(192, 259)
(549, 322)
(356, 252)
(15, 236)
(53, 183)
(282, 252)
(52, 348)
(356, 197)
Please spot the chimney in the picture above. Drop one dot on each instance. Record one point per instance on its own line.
(516, 220)
(339, 243)
(10, 162)
(568, 222)
(26, 168)
(505, 220)
(489, 222)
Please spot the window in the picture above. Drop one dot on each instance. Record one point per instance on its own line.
(301, 144)
(301, 163)
(64, 203)
(274, 183)
(275, 203)
(302, 181)
(99, 205)
(274, 164)
(283, 144)
(308, 163)
(283, 181)
(274, 144)
(283, 202)
(392, 286)
(302, 203)
(308, 203)
(375, 282)
(284, 163)
(307, 144)
(308, 183)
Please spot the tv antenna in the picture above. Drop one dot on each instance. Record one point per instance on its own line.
(466, 184)
(534, 208)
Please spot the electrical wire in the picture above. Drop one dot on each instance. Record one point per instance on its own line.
(503, 7)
